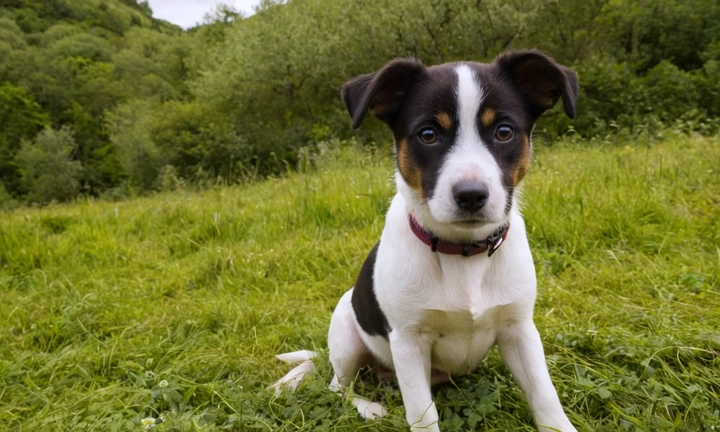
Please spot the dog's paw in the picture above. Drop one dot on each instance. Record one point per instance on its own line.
(335, 386)
(566, 426)
(554, 429)
(367, 409)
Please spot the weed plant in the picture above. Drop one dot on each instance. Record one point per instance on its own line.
(165, 312)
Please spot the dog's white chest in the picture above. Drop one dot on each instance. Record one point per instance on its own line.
(460, 339)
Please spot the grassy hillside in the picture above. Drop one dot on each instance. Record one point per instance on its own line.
(172, 306)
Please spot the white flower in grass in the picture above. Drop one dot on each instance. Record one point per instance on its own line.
(163, 383)
(147, 423)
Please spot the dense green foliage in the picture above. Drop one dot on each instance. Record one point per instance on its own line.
(238, 96)
(173, 306)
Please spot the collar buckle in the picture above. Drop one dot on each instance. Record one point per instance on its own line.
(494, 243)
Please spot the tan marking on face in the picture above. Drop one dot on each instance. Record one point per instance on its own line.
(488, 117)
(406, 165)
(444, 120)
(524, 161)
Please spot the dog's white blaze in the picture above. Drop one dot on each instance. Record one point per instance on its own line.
(469, 97)
(469, 159)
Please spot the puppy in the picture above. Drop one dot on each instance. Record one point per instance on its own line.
(452, 274)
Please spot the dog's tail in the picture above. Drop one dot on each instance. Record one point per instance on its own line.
(305, 365)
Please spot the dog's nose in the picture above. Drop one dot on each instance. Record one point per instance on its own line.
(470, 195)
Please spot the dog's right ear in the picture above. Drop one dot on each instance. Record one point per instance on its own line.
(382, 92)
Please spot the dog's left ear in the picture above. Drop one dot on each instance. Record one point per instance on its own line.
(540, 80)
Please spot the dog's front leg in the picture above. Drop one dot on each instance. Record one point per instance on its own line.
(521, 349)
(411, 358)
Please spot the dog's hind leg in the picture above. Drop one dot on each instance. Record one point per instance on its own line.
(348, 353)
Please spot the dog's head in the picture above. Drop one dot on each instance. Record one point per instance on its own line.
(462, 131)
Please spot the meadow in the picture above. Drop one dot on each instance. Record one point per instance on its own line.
(170, 308)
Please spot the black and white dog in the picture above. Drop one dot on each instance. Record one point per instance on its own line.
(452, 274)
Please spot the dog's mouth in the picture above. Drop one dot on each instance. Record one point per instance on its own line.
(470, 220)
(473, 221)
(470, 223)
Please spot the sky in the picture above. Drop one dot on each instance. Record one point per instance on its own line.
(188, 13)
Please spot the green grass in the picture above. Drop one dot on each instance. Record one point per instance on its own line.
(174, 305)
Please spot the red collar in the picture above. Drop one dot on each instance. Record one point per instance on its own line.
(488, 245)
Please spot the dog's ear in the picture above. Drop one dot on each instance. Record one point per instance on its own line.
(382, 92)
(540, 80)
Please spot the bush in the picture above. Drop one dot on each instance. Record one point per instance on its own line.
(21, 118)
(666, 92)
(129, 129)
(197, 141)
(49, 172)
(7, 202)
(708, 80)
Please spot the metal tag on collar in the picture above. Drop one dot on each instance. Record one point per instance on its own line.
(492, 247)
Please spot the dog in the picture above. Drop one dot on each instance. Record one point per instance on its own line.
(452, 274)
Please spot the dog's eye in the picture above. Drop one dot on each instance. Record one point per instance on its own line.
(428, 136)
(504, 133)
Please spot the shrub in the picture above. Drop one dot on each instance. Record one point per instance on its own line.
(194, 139)
(666, 92)
(7, 202)
(21, 118)
(129, 130)
(48, 170)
